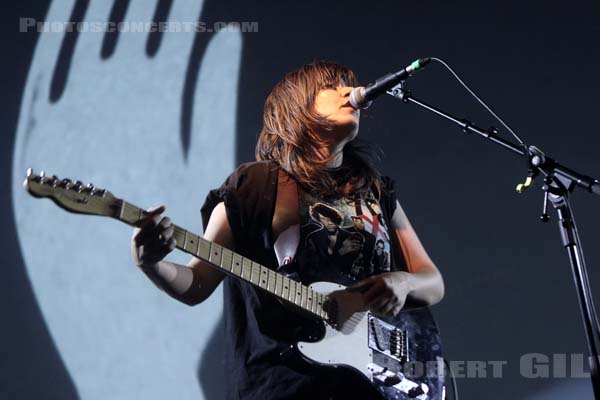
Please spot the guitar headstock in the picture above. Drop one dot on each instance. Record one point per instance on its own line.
(72, 196)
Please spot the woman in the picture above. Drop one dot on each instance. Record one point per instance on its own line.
(314, 207)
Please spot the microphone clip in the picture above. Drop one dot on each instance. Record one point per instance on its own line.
(399, 92)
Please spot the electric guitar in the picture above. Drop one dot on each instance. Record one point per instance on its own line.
(399, 358)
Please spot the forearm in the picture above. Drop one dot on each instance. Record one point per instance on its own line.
(178, 281)
(426, 288)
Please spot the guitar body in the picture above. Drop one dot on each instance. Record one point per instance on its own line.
(400, 357)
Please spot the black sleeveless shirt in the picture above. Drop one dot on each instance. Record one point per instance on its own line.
(258, 329)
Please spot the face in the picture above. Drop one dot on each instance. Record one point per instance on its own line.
(334, 104)
(328, 223)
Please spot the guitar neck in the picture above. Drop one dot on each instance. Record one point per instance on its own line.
(238, 266)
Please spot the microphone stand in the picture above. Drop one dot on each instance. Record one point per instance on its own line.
(559, 181)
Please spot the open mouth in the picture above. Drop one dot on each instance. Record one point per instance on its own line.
(348, 104)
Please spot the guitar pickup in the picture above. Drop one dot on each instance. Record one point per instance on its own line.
(388, 340)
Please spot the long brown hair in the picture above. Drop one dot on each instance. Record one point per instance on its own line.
(291, 134)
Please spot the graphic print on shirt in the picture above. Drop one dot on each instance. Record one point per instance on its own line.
(343, 241)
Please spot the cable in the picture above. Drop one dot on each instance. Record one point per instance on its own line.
(453, 380)
(472, 93)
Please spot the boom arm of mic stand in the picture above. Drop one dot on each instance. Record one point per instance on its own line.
(588, 183)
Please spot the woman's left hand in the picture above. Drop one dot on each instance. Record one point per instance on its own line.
(386, 293)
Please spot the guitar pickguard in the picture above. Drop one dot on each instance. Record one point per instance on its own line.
(401, 356)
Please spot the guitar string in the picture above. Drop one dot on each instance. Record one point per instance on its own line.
(313, 295)
(128, 208)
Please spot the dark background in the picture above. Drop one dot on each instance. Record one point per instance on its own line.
(509, 289)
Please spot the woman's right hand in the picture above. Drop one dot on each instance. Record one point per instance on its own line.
(153, 238)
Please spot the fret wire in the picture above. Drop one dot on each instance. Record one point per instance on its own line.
(236, 266)
(303, 297)
(127, 214)
(204, 252)
(298, 295)
(282, 279)
(216, 251)
(210, 244)
(122, 212)
(262, 282)
(317, 303)
(261, 276)
(231, 253)
(247, 266)
(308, 304)
(295, 295)
(278, 284)
(265, 276)
(321, 300)
(227, 262)
(223, 260)
(256, 274)
(271, 281)
(285, 291)
(292, 291)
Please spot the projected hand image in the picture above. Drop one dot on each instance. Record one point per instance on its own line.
(153, 127)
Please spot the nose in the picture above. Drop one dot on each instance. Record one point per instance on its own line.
(346, 90)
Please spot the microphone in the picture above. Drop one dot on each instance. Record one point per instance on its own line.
(362, 97)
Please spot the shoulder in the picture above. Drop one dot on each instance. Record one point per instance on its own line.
(246, 191)
(252, 173)
(388, 185)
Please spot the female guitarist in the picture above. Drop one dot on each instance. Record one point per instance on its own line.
(314, 207)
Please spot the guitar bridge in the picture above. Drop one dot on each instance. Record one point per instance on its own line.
(388, 340)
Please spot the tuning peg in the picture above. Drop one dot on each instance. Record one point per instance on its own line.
(42, 177)
(89, 188)
(29, 172)
(66, 183)
(55, 181)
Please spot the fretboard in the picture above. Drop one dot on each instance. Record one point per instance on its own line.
(239, 266)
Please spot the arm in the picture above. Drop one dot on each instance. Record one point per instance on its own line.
(191, 284)
(422, 285)
(425, 283)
